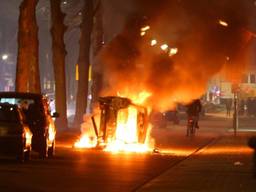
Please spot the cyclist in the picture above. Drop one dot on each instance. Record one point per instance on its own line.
(193, 110)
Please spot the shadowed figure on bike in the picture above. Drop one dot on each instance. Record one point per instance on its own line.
(193, 111)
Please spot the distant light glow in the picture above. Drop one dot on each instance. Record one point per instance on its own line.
(4, 56)
(173, 51)
(142, 33)
(145, 28)
(153, 42)
(164, 47)
(65, 2)
(223, 23)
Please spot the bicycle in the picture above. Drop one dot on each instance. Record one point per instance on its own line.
(191, 126)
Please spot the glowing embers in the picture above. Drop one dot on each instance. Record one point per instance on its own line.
(123, 126)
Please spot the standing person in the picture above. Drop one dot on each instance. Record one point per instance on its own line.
(194, 109)
(228, 106)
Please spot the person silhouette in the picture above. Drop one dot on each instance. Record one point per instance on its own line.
(194, 109)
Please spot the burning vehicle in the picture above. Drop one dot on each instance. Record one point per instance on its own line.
(123, 126)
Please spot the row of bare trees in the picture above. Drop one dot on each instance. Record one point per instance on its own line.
(27, 72)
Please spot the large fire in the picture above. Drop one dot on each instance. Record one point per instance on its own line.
(127, 129)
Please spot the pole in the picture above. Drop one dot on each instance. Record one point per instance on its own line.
(94, 126)
(235, 115)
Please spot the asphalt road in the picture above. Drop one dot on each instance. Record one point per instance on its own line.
(96, 170)
(83, 171)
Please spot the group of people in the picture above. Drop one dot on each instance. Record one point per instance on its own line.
(246, 107)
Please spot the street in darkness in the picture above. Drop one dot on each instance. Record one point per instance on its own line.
(95, 170)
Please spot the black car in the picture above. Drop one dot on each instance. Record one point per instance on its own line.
(15, 136)
(38, 116)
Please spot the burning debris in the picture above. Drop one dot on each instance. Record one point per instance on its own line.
(123, 126)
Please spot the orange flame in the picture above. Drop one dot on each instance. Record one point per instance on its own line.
(126, 136)
(86, 142)
(88, 138)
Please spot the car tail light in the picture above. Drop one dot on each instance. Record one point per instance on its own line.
(28, 136)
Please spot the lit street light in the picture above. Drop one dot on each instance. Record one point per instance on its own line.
(153, 42)
(4, 57)
(173, 51)
(223, 23)
(164, 47)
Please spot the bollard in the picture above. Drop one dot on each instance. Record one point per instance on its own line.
(252, 144)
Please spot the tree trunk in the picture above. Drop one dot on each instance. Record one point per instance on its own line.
(58, 47)
(27, 70)
(84, 61)
(98, 41)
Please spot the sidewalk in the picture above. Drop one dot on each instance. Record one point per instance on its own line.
(225, 165)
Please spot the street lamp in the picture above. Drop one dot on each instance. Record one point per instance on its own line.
(164, 47)
(4, 57)
(223, 23)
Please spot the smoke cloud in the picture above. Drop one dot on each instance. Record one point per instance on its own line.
(131, 65)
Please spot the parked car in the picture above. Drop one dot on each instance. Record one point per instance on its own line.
(39, 118)
(157, 119)
(15, 135)
(172, 115)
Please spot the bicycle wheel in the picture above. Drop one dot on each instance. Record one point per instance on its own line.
(189, 129)
(193, 129)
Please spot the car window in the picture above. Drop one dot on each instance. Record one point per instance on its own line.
(32, 108)
(16, 101)
(22, 103)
